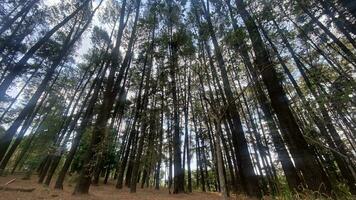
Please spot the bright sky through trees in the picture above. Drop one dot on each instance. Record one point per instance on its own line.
(238, 97)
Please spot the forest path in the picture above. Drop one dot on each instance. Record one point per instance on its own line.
(105, 192)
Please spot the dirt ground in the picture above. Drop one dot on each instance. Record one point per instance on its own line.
(105, 192)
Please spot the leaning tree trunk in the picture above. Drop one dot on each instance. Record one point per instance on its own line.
(100, 125)
(21, 64)
(248, 177)
(303, 156)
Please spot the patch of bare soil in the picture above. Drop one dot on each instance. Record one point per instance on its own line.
(105, 192)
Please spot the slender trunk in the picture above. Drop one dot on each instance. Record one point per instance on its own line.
(161, 131)
(178, 171)
(346, 171)
(248, 177)
(28, 109)
(347, 52)
(95, 87)
(7, 23)
(100, 126)
(187, 134)
(220, 161)
(304, 157)
(18, 94)
(25, 149)
(339, 24)
(20, 136)
(21, 64)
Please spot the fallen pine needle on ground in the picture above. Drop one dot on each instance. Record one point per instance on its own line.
(105, 192)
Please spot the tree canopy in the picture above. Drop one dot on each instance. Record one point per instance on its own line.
(239, 97)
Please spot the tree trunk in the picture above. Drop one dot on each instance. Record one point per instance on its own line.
(302, 154)
(20, 66)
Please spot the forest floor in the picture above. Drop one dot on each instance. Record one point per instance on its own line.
(106, 192)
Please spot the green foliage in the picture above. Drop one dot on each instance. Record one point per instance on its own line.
(204, 31)
(183, 32)
(50, 50)
(77, 162)
(110, 11)
(235, 38)
(99, 37)
(183, 39)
